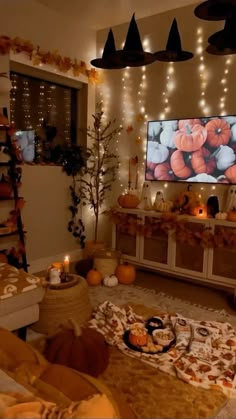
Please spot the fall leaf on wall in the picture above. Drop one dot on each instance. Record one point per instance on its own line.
(129, 129)
(140, 117)
(138, 140)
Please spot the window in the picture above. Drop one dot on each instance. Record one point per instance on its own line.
(46, 110)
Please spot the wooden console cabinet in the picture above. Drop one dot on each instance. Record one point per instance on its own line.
(162, 252)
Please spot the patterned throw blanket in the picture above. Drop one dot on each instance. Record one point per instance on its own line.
(203, 353)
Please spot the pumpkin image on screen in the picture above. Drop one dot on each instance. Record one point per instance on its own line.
(163, 171)
(128, 200)
(230, 173)
(218, 132)
(94, 277)
(190, 138)
(190, 122)
(179, 166)
(202, 161)
(125, 273)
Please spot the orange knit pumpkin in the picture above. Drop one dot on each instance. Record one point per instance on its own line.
(190, 122)
(94, 277)
(190, 138)
(231, 215)
(179, 166)
(86, 353)
(125, 273)
(230, 173)
(218, 132)
(202, 162)
(163, 171)
(128, 200)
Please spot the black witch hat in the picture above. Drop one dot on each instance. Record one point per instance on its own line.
(224, 42)
(109, 59)
(215, 9)
(133, 54)
(173, 50)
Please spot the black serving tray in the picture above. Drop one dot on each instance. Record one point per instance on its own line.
(139, 348)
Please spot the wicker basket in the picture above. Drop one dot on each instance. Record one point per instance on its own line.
(106, 261)
(60, 304)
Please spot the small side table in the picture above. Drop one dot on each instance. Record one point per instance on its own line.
(67, 300)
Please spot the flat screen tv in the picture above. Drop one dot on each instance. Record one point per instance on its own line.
(192, 150)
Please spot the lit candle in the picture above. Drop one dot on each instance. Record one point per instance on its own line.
(66, 264)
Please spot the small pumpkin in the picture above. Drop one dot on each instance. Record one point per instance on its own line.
(163, 171)
(163, 206)
(233, 131)
(189, 122)
(94, 277)
(172, 123)
(230, 119)
(230, 173)
(203, 177)
(179, 166)
(125, 273)
(167, 137)
(110, 281)
(225, 157)
(221, 215)
(128, 200)
(190, 138)
(231, 215)
(218, 132)
(199, 211)
(202, 161)
(157, 153)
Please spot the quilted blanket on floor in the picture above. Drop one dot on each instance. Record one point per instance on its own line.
(203, 353)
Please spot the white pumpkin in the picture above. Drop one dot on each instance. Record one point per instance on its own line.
(167, 137)
(154, 128)
(221, 215)
(225, 157)
(233, 130)
(157, 153)
(173, 124)
(202, 177)
(163, 206)
(230, 119)
(110, 281)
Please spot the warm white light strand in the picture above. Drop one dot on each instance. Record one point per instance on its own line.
(224, 85)
(202, 72)
(167, 92)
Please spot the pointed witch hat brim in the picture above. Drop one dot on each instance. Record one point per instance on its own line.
(224, 42)
(109, 60)
(133, 55)
(173, 52)
(215, 9)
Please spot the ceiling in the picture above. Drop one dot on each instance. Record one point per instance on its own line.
(99, 14)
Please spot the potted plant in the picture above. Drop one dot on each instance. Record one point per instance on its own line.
(99, 173)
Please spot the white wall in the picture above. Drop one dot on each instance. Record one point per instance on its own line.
(45, 188)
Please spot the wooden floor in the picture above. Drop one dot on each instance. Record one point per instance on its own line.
(186, 290)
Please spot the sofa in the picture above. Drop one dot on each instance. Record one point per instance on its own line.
(32, 382)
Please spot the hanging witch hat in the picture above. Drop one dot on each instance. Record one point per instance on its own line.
(109, 59)
(173, 50)
(133, 54)
(224, 42)
(215, 9)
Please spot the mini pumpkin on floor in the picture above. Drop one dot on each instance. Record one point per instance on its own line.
(82, 349)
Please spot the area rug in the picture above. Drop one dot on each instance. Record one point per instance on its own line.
(152, 393)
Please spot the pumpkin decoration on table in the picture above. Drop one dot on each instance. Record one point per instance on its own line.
(94, 277)
(179, 166)
(83, 349)
(126, 273)
(190, 138)
(110, 280)
(163, 206)
(128, 200)
(231, 215)
(221, 215)
(230, 173)
(199, 211)
(202, 161)
(185, 201)
(218, 132)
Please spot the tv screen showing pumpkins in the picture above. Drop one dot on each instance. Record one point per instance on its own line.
(192, 150)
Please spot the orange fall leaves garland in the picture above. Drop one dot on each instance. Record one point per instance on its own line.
(203, 236)
(38, 56)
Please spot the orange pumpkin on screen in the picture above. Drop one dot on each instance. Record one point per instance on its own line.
(94, 277)
(163, 171)
(218, 132)
(128, 200)
(125, 273)
(190, 122)
(179, 166)
(202, 162)
(190, 138)
(230, 173)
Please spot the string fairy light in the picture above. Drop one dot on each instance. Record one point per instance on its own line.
(224, 85)
(169, 88)
(202, 72)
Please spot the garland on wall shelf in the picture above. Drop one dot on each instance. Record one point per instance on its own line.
(193, 234)
(38, 56)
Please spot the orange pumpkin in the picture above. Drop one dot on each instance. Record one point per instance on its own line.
(179, 166)
(202, 162)
(190, 122)
(231, 215)
(125, 273)
(86, 352)
(190, 138)
(128, 200)
(199, 211)
(94, 277)
(163, 171)
(138, 340)
(230, 173)
(218, 132)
